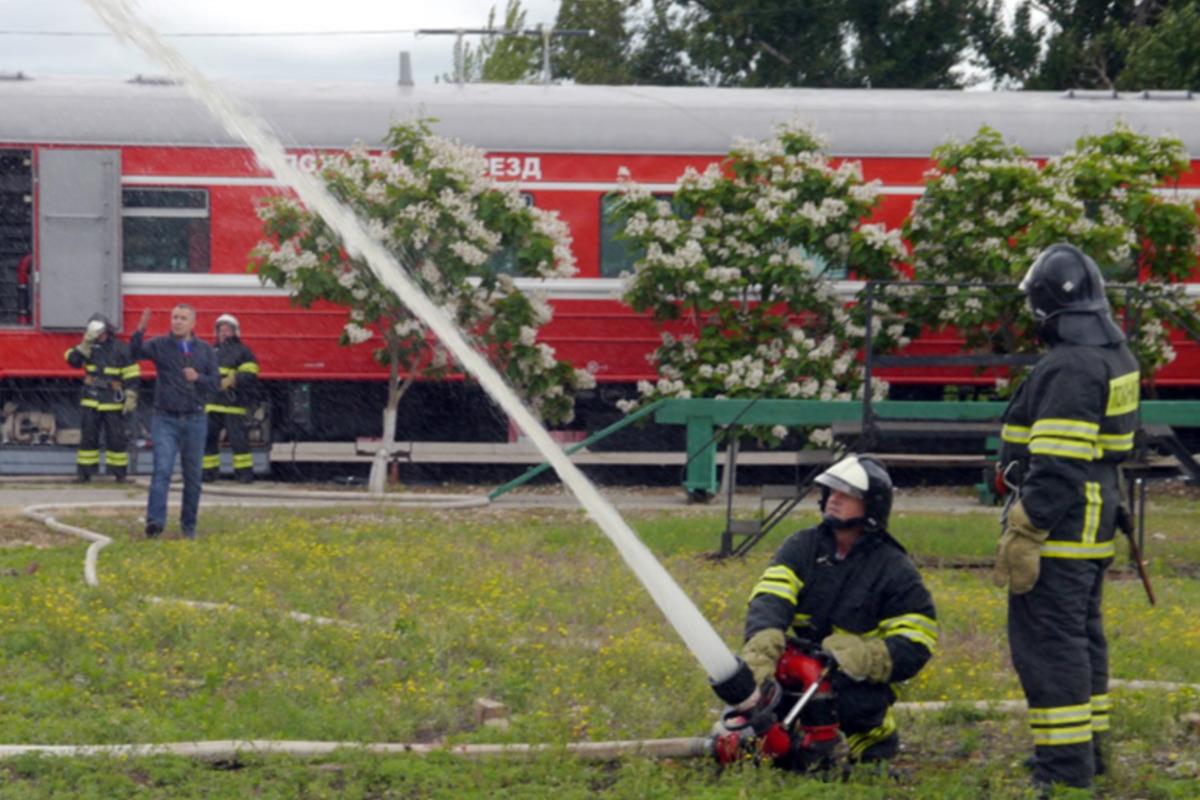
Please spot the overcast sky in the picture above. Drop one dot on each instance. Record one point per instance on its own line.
(357, 58)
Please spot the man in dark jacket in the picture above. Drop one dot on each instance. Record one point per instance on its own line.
(187, 377)
(239, 376)
(110, 385)
(1067, 428)
(850, 586)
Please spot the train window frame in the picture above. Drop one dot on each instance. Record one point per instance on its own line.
(503, 260)
(630, 252)
(181, 214)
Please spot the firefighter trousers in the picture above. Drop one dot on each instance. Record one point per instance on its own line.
(1056, 633)
(116, 454)
(239, 443)
(864, 712)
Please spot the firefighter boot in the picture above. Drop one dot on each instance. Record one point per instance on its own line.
(244, 476)
(82, 474)
(210, 476)
(119, 475)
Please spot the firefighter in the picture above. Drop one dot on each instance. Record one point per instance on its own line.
(110, 387)
(239, 376)
(1069, 425)
(849, 585)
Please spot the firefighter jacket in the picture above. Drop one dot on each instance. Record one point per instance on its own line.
(1067, 428)
(234, 358)
(108, 373)
(173, 393)
(875, 591)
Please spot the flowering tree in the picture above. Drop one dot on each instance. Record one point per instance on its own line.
(743, 256)
(463, 237)
(988, 210)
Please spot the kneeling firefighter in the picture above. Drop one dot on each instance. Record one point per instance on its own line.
(839, 617)
(239, 378)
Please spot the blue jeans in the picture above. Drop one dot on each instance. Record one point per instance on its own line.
(182, 435)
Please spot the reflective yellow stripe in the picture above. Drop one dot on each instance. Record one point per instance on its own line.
(116, 458)
(88, 402)
(1074, 734)
(801, 620)
(775, 589)
(859, 742)
(243, 460)
(225, 370)
(109, 406)
(1017, 434)
(249, 366)
(132, 371)
(914, 627)
(1116, 442)
(211, 462)
(116, 371)
(1057, 549)
(1123, 395)
(1101, 702)
(1072, 428)
(784, 574)
(1091, 511)
(212, 408)
(1064, 448)
(90, 367)
(1058, 715)
(87, 457)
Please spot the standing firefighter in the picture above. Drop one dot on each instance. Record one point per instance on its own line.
(110, 386)
(850, 586)
(239, 376)
(1065, 431)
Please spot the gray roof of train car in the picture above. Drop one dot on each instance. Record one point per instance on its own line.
(599, 119)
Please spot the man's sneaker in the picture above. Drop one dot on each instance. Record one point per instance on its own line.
(153, 529)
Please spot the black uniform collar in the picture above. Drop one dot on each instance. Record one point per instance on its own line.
(868, 541)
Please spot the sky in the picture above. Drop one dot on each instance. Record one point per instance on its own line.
(349, 58)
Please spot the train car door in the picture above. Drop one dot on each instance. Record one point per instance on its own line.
(79, 236)
(16, 236)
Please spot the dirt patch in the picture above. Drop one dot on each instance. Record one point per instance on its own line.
(18, 531)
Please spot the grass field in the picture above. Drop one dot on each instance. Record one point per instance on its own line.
(532, 608)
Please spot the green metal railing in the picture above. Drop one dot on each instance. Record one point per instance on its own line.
(702, 416)
(530, 474)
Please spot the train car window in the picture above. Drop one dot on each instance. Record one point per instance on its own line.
(620, 255)
(504, 260)
(165, 230)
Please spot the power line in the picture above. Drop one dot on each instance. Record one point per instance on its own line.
(219, 34)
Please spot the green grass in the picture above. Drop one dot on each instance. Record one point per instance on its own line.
(533, 608)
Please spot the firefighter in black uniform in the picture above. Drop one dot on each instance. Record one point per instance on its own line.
(239, 378)
(1067, 428)
(110, 385)
(852, 587)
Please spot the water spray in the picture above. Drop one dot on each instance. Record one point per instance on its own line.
(718, 662)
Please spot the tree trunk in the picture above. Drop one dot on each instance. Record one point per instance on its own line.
(387, 442)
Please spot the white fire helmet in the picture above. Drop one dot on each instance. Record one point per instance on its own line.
(863, 477)
(227, 319)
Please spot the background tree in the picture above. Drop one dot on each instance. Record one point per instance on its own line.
(741, 259)
(880, 43)
(602, 58)
(1067, 44)
(497, 58)
(1166, 56)
(463, 236)
(988, 210)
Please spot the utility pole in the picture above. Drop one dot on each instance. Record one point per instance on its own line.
(541, 31)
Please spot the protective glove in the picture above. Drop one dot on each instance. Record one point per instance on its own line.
(228, 381)
(860, 658)
(761, 653)
(1019, 553)
(130, 405)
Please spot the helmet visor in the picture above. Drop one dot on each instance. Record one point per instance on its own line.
(838, 485)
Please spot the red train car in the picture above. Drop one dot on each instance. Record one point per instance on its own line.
(125, 195)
